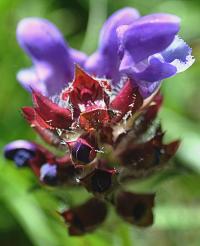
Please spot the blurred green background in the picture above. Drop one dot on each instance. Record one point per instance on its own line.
(27, 214)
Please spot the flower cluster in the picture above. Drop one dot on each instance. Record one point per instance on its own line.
(100, 111)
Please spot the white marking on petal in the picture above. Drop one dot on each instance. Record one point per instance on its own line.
(182, 66)
(179, 54)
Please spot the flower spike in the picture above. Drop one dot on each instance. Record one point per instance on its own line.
(100, 112)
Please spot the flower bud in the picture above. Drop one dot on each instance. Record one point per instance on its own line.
(22, 157)
(48, 174)
(20, 152)
(81, 151)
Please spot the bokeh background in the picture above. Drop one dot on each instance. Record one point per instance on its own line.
(27, 213)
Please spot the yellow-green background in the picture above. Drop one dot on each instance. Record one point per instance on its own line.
(27, 215)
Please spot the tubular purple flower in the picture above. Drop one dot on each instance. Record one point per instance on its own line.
(149, 35)
(20, 151)
(153, 51)
(53, 60)
(10, 148)
(105, 61)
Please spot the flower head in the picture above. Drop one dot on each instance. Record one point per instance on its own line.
(100, 111)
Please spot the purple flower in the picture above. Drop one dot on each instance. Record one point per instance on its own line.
(144, 49)
(53, 61)
(48, 174)
(105, 61)
(153, 51)
(20, 151)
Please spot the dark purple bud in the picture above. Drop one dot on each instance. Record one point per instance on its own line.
(81, 151)
(48, 174)
(20, 152)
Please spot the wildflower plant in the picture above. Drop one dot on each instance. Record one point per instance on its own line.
(100, 112)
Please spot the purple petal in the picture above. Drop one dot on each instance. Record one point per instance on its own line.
(156, 70)
(176, 58)
(10, 148)
(108, 42)
(178, 54)
(48, 174)
(126, 64)
(100, 65)
(78, 57)
(149, 35)
(92, 64)
(29, 79)
(147, 88)
(43, 78)
(54, 78)
(43, 42)
(105, 61)
(20, 151)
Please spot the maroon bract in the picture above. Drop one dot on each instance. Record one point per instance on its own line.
(86, 217)
(100, 181)
(127, 100)
(53, 115)
(85, 90)
(135, 208)
(141, 159)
